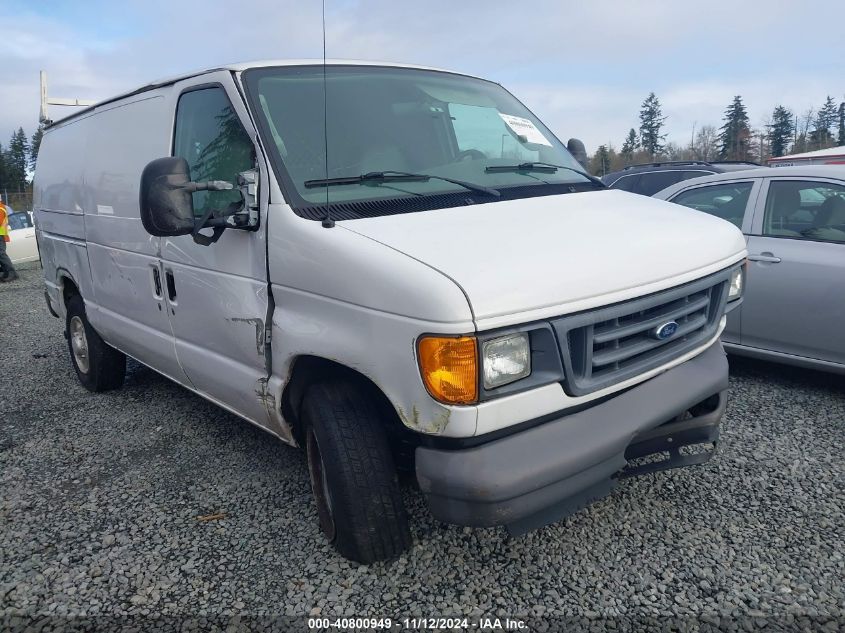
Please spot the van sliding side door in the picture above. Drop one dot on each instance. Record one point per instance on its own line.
(126, 305)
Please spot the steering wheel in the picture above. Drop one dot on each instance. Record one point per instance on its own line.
(471, 154)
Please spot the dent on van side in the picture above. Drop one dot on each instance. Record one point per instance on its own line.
(396, 269)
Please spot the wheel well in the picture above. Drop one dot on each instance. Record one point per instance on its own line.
(308, 370)
(69, 289)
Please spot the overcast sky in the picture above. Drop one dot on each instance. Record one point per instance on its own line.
(583, 67)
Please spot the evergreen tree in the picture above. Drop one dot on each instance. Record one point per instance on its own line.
(16, 161)
(651, 121)
(601, 161)
(630, 144)
(821, 136)
(735, 135)
(34, 146)
(4, 177)
(781, 131)
(841, 139)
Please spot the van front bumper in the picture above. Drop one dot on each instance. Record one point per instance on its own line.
(538, 476)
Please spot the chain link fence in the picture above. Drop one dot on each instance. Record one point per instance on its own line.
(18, 200)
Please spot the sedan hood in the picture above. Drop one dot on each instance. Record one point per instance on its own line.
(530, 258)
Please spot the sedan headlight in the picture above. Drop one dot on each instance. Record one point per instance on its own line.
(505, 359)
(737, 283)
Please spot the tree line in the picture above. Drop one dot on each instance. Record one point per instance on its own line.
(17, 162)
(784, 132)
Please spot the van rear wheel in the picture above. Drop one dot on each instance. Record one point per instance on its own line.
(98, 366)
(352, 474)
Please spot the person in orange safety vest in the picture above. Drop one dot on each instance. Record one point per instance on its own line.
(7, 270)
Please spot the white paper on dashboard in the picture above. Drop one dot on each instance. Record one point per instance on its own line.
(524, 128)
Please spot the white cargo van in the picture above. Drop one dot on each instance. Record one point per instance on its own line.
(392, 267)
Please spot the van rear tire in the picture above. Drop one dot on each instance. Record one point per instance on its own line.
(353, 477)
(98, 365)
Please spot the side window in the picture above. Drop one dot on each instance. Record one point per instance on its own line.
(727, 201)
(655, 181)
(805, 209)
(210, 137)
(695, 174)
(627, 183)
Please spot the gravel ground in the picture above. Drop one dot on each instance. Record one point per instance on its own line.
(99, 496)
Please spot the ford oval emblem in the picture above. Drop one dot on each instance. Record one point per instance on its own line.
(665, 330)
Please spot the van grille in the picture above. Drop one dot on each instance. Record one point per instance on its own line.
(605, 346)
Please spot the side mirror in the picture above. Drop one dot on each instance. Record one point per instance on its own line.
(167, 207)
(578, 151)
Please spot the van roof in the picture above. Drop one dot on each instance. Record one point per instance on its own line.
(239, 67)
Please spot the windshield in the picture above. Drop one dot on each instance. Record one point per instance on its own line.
(381, 119)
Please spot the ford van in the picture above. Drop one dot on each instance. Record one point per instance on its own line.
(399, 269)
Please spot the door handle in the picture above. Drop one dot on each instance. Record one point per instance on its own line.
(764, 257)
(157, 283)
(171, 285)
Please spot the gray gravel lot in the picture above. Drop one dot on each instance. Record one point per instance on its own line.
(99, 496)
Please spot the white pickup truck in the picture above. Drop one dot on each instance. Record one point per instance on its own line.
(395, 268)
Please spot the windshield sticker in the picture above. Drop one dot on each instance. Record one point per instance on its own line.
(524, 129)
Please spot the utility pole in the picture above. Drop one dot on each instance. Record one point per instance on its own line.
(45, 101)
(692, 140)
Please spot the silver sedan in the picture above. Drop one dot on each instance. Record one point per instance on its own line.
(793, 219)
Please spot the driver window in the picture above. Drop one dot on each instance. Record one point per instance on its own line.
(726, 201)
(805, 209)
(481, 129)
(210, 137)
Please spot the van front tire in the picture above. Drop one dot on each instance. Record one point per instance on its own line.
(352, 474)
(98, 366)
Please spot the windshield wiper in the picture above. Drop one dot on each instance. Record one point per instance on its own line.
(547, 168)
(378, 177)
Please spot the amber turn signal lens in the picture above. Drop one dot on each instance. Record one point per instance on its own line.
(450, 368)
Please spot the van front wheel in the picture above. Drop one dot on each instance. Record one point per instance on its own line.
(98, 366)
(352, 474)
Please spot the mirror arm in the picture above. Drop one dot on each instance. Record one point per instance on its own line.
(219, 221)
(206, 240)
(236, 216)
(211, 185)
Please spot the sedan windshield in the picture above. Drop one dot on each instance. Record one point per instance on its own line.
(455, 129)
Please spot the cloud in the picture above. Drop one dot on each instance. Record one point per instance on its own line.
(583, 67)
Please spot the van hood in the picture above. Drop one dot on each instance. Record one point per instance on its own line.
(518, 260)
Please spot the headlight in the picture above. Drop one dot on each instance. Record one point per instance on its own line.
(505, 360)
(737, 283)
